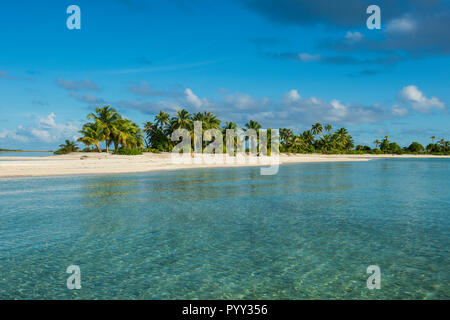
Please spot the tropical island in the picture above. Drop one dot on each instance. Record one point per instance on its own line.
(124, 137)
(114, 144)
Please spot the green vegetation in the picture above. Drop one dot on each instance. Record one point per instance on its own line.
(67, 147)
(20, 150)
(128, 152)
(110, 128)
(315, 140)
(415, 147)
(441, 147)
(10, 150)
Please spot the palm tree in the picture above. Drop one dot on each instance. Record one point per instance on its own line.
(326, 143)
(317, 128)
(377, 142)
(92, 135)
(328, 128)
(162, 119)
(128, 134)
(136, 139)
(208, 119)
(253, 125)
(342, 137)
(298, 143)
(149, 128)
(384, 145)
(212, 121)
(433, 138)
(229, 126)
(349, 144)
(106, 118)
(287, 138)
(308, 137)
(156, 137)
(68, 146)
(446, 146)
(182, 120)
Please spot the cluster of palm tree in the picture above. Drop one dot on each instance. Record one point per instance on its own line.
(159, 132)
(316, 139)
(387, 146)
(442, 146)
(110, 127)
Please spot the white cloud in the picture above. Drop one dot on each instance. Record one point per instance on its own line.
(339, 111)
(399, 111)
(42, 135)
(354, 36)
(242, 101)
(46, 130)
(291, 110)
(13, 135)
(194, 100)
(306, 57)
(411, 95)
(401, 25)
(295, 109)
(48, 121)
(291, 96)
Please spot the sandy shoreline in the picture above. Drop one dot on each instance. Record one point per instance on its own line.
(95, 163)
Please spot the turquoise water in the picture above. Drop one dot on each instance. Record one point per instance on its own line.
(309, 232)
(24, 154)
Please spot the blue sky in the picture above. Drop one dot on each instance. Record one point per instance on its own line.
(283, 63)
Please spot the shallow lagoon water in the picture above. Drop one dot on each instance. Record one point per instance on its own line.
(309, 232)
(24, 154)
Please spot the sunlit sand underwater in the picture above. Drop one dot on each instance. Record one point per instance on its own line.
(309, 232)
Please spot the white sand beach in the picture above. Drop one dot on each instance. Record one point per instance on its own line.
(102, 163)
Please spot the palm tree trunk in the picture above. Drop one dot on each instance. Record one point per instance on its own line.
(98, 147)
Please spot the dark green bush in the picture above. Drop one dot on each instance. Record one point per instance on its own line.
(152, 150)
(128, 152)
(415, 147)
(362, 148)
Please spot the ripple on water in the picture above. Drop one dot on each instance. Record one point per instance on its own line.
(308, 232)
